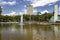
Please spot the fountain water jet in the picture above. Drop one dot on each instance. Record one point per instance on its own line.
(55, 12)
(21, 20)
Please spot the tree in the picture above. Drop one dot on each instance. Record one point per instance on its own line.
(0, 10)
(17, 18)
(38, 13)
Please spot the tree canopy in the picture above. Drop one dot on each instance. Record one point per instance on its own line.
(0, 10)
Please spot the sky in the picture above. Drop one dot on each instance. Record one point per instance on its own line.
(19, 6)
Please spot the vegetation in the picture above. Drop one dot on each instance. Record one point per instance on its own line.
(0, 10)
(42, 18)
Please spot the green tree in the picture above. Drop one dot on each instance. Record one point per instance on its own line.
(0, 10)
(38, 13)
(17, 18)
(26, 17)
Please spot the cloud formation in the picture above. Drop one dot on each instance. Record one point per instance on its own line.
(9, 2)
(59, 8)
(37, 3)
(34, 10)
(44, 11)
(10, 14)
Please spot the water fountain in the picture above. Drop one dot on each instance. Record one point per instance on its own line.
(55, 12)
(21, 20)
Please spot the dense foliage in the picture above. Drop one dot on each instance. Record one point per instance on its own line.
(0, 10)
(44, 17)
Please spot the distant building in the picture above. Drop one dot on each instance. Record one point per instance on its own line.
(29, 9)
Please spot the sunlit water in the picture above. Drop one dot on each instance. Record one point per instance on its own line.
(28, 32)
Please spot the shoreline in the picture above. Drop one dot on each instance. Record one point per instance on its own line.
(9, 22)
(40, 23)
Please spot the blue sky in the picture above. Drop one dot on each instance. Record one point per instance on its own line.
(19, 6)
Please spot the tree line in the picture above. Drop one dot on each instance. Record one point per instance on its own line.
(43, 17)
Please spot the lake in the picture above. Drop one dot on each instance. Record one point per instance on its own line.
(29, 32)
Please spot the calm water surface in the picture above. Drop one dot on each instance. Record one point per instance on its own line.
(29, 32)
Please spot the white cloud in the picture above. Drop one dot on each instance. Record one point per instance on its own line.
(49, 4)
(12, 13)
(21, 13)
(30, 0)
(37, 3)
(12, 3)
(34, 10)
(9, 2)
(42, 12)
(59, 8)
(25, 6)
(3, 3)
